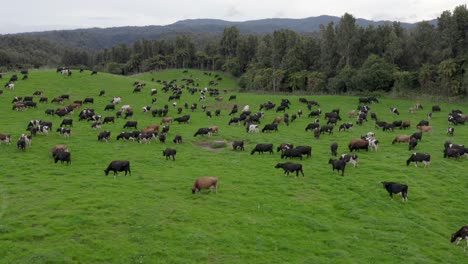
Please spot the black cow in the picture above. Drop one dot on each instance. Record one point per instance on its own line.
(88, 100)
(63, 156)
(417, 135)
(109, 107)
(169, 153)
(345, 126)
(451, 153)
(67, 122)
(183, 119)
(461, 234)
(292, 153)
(338, 165)
(131, 124)
(270, 127)
(118, 165)
(305, 150)
(232, 97)
(290, 167)
(102, 92)
(203, 131)
(108, 119)
(436, 108)
(104, 135)
(412, 143)
(21, 144)
(315, 113)
(326, 128)
(450, 131)
(312, 126)
(238, 145)
(177, 139)
(235, 120)
(260, 148)
(334, 148)
(396, 188)
(419, 157)
(423, 123)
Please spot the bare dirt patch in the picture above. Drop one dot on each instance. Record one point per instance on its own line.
(215, 145)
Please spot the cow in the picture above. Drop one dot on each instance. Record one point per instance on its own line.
(63, 156)
(104, 136)
(116, 100)
(305, 150)
(108, 119)
(334, 148)
(350, 158)
(290, 167)
(88, 100)
(417, 135)
(436, 108)
(405, 124)
(166, 120)
(357, 144)
(131, 124)
(177, 139)
(21, 144)
(284, 146)
(450, 131)
(64, 131)
(338, 165)
(292, 153)
(252, 128)
(312, 126)
(419, 157)
(345, 126)
(205, 183)
(423, 123)
(394, 110)
(109, 107)
(57, 149)
(270, 127)
(5, 138)
(235, 120)
(425, 128)
(260, 148)
(67, 122)
(396, 188)
(183, 119)
(102, 92)
(168, 152)
(452, 153)
(238, 145)
(118, 165)
(401, 138)
(43, 100)
(203, 131)
(315, 113)
(413, 142)
(326, 128)
(461, 234)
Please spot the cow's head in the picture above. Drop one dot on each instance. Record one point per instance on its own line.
(453, 238)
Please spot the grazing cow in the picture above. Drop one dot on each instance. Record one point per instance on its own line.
(394, 110)
(334, 148)
(183, 119)
(235, 120)
(238, 145)
(64, 131)
(57, 149)
(116, 100)
(21, 144)
(401, 138)
(260, 148)
(277, 120)
(165, 129)
(93, 72)
(162, 138)
(292, 153)
(131, 124)
(43, 100)
(63, 156)
(312, 126)
(417, 135)
(88, 100)
(413, 142)
(425, 128)
(315, 113)
(357, 144)
(396, 188)
(203, 131)
(419, 157)
(168, 152)
(405, 124)
(252, 129)
(338, 165)
(205, 183)
(232, 97)
(461, 234)
(102, 92)
(108, 119)
(67, 122)
(118, 165)
(104, 136)
(270, 127)
(436, 108)
(326, 128)
(350, 158)
(452, 153)
(380, 124)
(290, 167)
(109, 107)
(345, 126)
(153, 92)
(423, 123)
(284, 146)
(450, 131)
(177, 139)
(305, 150)
(5, 138)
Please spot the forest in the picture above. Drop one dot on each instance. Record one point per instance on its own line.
(341, 58)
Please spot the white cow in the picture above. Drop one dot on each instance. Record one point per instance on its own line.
(116, 100)
(246, 108)
(253, 129)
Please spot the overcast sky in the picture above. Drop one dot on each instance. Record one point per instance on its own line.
(40, 15)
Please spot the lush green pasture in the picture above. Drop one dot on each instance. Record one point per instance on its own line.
(57, 213)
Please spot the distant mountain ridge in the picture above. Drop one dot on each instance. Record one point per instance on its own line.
(99, 38)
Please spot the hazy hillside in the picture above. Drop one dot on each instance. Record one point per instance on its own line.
(98, 38)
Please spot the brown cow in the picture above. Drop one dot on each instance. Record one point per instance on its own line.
(214, 129)
(205, 183)
(401, 138)
(425, 128)
(155, 128)
(166, 120)
(277, 120)
(57, 149)
(5, 138)
(357, 144)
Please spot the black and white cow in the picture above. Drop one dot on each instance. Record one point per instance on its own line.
(252, 128)
(118, 165)
(5, 138)
(394, 110)
(350, 158)
(396, 188)
(67, 122)
(64, 131)
(345, 126)
(177, 139)
(270, 127)
(290, 167)
(461, 234)
(131, 124)
(238, 145)
(419, 157)
(203, 131)
(104, 136)
(450, 131)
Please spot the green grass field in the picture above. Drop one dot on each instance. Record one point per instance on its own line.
(58, 213)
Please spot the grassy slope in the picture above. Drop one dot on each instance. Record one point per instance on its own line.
(58, 213)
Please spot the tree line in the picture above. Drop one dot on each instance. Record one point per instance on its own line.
(342, 58)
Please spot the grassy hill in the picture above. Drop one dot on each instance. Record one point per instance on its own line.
(54, 213)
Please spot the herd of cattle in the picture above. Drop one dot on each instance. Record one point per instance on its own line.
(250, 119)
